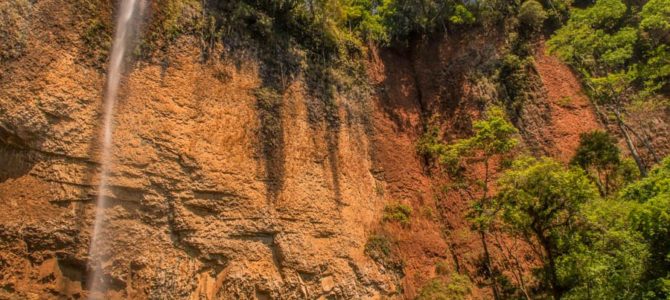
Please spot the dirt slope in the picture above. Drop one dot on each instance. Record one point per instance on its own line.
(571, 111)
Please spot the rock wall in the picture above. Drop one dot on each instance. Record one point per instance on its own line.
(195, 209)
(220, 190)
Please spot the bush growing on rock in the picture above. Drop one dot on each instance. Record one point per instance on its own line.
(398, 213)
(457, 287)
(532, 15)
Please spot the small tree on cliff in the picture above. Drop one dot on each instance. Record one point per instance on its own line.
(493, 138)
(540, 202)
(600, 157)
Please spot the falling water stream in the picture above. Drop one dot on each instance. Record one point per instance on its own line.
(126, 29)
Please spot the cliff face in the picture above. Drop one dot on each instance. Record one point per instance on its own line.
(195, 209)
(220, 190)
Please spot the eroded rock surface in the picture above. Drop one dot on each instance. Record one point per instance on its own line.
(222, 188)
(193, 209)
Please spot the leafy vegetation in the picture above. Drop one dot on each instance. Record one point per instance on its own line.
(540, 200)
(532, 15)
(621, 50)
(592, 247)
(398, 212)
(599, 230)
(456, 288)
(651, 218)
(599, 156)
(493, 138)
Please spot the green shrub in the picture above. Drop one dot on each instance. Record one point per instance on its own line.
(461, 15)
(532, 15)
(458, 287)
(596, 148)
(430, 143)
(600, 157)
(398, 213)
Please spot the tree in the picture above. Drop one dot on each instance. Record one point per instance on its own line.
(652, 219)
(540, 202)
(600, 157)
(655, 29)
(532, 15)
(493, 137)
(605, 258)
(404, 18)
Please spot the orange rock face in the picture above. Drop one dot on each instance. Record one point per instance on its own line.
(216, 195)
(194, 207)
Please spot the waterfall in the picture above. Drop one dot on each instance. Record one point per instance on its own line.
(126, 29)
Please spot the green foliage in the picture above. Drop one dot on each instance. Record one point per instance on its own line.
(656, 72)
(540, 202)
(404, 18)
(362, 18)
(458, 287)
(655, 27)
(532, 15)
(599, 156)
(620, 48)
(430, 143)
(398, 212)
(14, 20)
(652, 219)
(586, 39)
(461, 15)
(379, 248)
(592, 248)
(515, 76)
(557, 12)
(493, 135)
(541, 197)
(655, 184)
(596, 148)
(656, 17)
(605, 257)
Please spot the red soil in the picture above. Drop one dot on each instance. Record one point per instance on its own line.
(571, 110)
